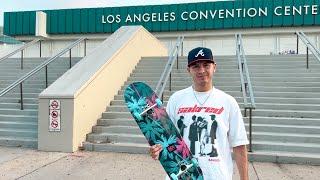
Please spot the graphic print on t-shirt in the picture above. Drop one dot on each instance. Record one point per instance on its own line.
(200, 133)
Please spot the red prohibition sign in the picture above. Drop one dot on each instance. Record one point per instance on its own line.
(54, 114)
(54, 124)
(54, 104)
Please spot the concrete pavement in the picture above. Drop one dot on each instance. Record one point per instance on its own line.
(25, 164)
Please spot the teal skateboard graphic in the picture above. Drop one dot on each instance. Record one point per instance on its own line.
(155, 124)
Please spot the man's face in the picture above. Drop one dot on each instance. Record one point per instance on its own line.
(202, 72)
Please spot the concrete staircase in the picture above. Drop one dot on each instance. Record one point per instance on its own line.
(286, 123)
(19, 127)
(117, 131)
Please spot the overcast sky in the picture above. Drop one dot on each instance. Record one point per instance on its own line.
(30, 5)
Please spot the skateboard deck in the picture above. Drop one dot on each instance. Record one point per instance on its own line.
(155, 124)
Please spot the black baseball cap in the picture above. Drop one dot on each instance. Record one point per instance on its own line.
(200, 54)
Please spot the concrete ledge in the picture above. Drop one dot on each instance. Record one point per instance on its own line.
(85, 90)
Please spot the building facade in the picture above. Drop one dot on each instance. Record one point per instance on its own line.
(267, 26)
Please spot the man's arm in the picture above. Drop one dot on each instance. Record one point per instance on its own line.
(241, 158)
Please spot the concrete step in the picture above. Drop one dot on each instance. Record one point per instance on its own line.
(313, 101)
(232, 93)
(31, 112)
(25, 95)
(232, 61)
(256, 112)
(17, 100)
(274, 128)
(117, 122)
(286, 147)
(18, 132)
(234, 74)
(117, 129)
(284, 121)
(19, 125)
(18, 118)
(286, 137)
(310, 107)
(27, 142)
(17, 106)
(177, 85)
(284, 157)
(134, 148)
(285, 113)
(107, 137)
(232, 70)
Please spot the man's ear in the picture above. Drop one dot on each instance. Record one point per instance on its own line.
(188, 69)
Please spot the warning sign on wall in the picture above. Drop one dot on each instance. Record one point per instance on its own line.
(54, 116)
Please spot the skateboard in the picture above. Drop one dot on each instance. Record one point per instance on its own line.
(155, 124)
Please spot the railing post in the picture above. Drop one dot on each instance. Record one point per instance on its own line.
(21, 96)
(177, 58)
(182, 48)
(40, 47)
(245, 112)
(85, 47)
(70, 58)
(21, 63)
(170, 83)
(297, 44)
(250, 130)
(46, 76)
(307, 57)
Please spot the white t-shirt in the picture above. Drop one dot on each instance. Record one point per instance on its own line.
(211, 124)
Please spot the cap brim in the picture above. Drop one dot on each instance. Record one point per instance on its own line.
(208, 60)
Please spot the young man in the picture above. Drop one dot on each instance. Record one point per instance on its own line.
(212, 121)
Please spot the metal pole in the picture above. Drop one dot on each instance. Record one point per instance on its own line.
(297, 44)
(85, 47)
(182, 48)
(70, 58)
(21, 97)
(250, 130)
(21, 65)
(307, 58)
(170, 83)
(46, 76)
(177, 58)
(40, 47)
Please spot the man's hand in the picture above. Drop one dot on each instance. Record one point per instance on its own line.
(155, 151)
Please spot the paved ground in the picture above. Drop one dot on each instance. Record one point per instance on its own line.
(19, 163)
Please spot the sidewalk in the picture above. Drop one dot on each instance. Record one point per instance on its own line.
(19, 163)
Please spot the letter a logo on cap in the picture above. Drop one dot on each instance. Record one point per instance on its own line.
(200, 53)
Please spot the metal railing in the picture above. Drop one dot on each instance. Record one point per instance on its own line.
(21, 49)
(315, 51)
(37, 69)
(246, 86)
(166, 74)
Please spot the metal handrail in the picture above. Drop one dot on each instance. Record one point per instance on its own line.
(37, 69)
(19, 49)
(168, 68)
(246, 86)
(315, 51)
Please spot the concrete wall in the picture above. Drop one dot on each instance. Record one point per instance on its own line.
(87, 88)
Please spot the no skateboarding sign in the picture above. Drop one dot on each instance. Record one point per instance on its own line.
(54, 116)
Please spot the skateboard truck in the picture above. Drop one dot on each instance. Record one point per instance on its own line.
(184, 168)
(139, 115)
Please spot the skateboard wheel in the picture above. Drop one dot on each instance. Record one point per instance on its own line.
(137, 115)
(159, 103)
(173, 176)
(194, 162)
